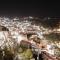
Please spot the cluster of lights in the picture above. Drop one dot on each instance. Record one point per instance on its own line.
(15, 26)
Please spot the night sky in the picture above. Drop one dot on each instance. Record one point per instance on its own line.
(26, 8)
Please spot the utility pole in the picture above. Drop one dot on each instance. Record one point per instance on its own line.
(39, 52)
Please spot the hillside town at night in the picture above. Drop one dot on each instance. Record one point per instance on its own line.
(29, 38)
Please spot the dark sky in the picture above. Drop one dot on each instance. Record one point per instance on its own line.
(34, 8)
